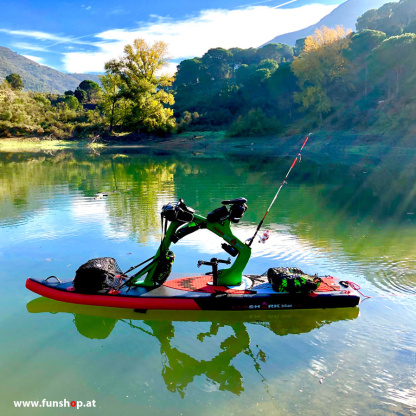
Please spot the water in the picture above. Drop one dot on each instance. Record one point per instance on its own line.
(353, 220)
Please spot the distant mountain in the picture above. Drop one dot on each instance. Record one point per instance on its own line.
(39, 77)
(346, 15)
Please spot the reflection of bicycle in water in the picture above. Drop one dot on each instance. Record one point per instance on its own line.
(179, 368)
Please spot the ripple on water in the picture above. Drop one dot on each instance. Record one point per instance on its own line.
(363, 369)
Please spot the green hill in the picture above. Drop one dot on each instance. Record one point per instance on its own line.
(39, 77)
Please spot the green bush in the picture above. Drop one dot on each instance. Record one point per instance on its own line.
(26, 113)
(187, 121)
(254, 123)
(71, 102)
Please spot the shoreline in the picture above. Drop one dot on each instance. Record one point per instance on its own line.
(28, 144)
(323, 144)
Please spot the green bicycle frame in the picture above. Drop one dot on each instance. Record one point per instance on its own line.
(231, 276)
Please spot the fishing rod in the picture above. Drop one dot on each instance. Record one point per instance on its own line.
(298, 157)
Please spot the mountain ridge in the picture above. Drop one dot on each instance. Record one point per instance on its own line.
(37, 77)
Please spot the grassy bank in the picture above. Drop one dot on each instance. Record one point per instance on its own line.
(34, 144)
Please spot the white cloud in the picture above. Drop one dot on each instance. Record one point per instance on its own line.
(29, 47)
(193, 36)
(36, 34)
(43, 36)
(36, 59)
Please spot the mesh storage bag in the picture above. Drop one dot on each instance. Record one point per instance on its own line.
(98, 274)
(292, 280)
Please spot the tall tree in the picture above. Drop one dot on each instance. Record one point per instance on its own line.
(269, 64)
(391, 18)
(299, 45)
(405, 12)
(319, 67)
(282, 84)
(114, 105)
(244, 56)
(276, 51)
(189, 72)
(80, 95)
(244, 72)
(393, 59)
(362, 43)
(368, 20)
(145, 87)
(218, 62)
(91, 88)
(15, 81)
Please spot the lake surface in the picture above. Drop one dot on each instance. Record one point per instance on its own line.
(355, 220)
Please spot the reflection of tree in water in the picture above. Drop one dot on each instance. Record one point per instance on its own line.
(135, 186)
(179, 368)
(27, 181)
(151, 185)
(341, 190)
(151, 180)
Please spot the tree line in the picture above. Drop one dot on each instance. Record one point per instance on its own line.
(334, 79)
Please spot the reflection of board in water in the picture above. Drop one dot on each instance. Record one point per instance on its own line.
(282, 323)
(179, 368)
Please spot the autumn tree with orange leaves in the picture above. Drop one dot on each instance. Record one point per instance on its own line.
(319, 67)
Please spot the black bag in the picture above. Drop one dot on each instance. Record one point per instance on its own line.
(98, 274)
(163, 268)
(292, 280)
(218, 215)
(236, 212)
(178, 212)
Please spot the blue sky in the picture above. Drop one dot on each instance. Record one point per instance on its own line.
(79, 36)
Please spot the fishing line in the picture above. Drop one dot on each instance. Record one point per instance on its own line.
(298, 157)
